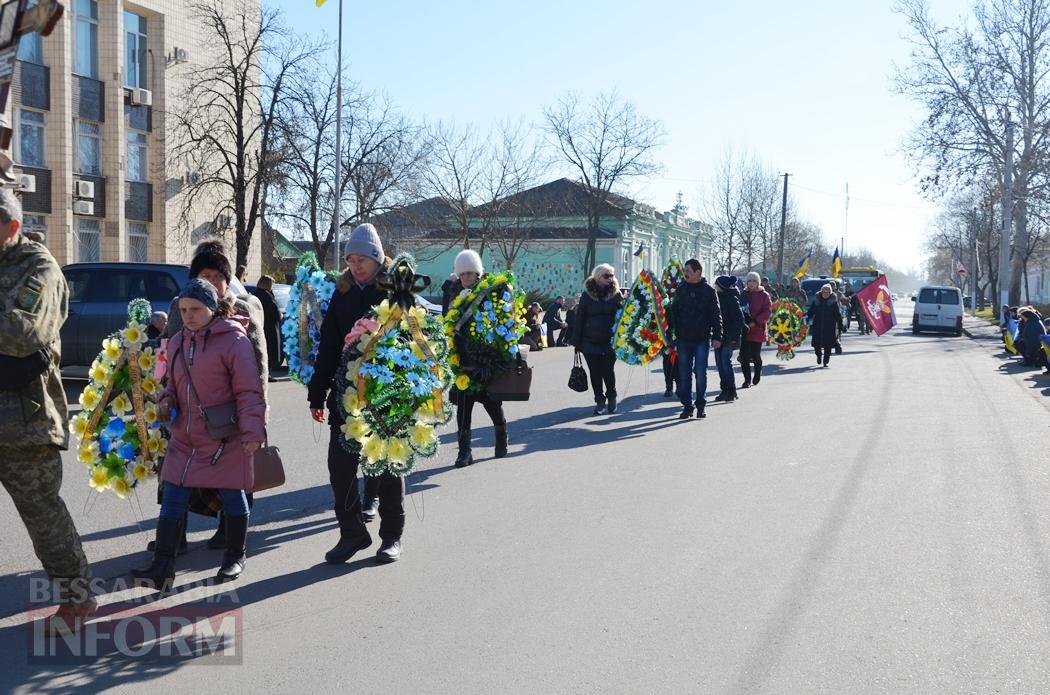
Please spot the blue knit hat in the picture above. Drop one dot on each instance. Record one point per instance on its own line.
(203, 292)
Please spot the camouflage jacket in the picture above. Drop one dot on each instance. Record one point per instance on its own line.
(34, 301)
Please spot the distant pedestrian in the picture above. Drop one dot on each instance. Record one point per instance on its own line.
(570, 321)
(34, 302)
(552, 319)
(592, 334)
(767, 285)
(1031, 332)
(158, 321)
(732, 334)
(696, 320)
(211, 355)
(826, 323)
(271, 322)
(759, 307)
(795, 293)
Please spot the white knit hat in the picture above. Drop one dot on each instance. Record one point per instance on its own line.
(468, 261)
(365, 241)
(753, 276)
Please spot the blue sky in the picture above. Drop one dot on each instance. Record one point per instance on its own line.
(806, 87)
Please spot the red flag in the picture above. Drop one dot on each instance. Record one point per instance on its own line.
(877, 304)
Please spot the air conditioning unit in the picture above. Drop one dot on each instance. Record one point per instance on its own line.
(83, 207)
(27, 183)
(192, 178)
(83, 189)
(141, 97)
(181, 55)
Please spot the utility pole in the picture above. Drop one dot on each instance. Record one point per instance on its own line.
(783, 226)
(974, 260)
(337, 208)
(1008, 213)
(845, 233)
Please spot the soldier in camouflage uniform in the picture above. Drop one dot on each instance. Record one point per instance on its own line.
(33, 419)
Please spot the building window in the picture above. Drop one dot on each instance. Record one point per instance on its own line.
(87, 138)
(32, 127)
(88, 240)
(35, 224)
(85, 38)
(135, 51)
(138, 156)
(138, 242)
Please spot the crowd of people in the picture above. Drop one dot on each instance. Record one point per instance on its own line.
(1023, 329)
(220, 348)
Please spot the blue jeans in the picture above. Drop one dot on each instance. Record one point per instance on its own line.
(692, 361)
(176, 499)
(724, 362)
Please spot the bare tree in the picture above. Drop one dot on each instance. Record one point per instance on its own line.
(971, 82)
(744, 208)
(454, 173)
(223, 126)
(607, 142)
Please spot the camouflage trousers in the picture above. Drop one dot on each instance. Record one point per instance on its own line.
(32, 475)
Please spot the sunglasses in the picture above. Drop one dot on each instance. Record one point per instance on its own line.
(608, 276)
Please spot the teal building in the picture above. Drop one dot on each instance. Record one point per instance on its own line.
(541, 234)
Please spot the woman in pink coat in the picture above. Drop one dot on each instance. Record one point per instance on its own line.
(211, 362)
(759, 306)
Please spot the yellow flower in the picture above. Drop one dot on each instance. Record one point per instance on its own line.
(421, 435)
(351, 403)
(149, 386)
(383, 312)
(140, 471)
(398, 450)
(156, 444)
(356, 429)
(374, 448)
(119, 486)
(150, 413)
(89, 398)
(453, 359)
(99, 372)
(458, 301)
(111, 348)
(88, 454)
(462, 382)
(146, 360)
(134, 335)
(121, 404)
(99, 479)
(78, 425)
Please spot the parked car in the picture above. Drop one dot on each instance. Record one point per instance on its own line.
(98, 301)
(938, 308)
(429, 306)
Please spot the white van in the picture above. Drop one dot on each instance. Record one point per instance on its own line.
(938, 308)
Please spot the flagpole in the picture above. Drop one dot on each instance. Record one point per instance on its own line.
(338, 141)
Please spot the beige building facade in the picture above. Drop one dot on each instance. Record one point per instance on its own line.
(90, 134)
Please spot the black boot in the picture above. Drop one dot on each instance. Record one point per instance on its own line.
(236, 548)
(758, 374)
(611, 405)
(161, 571)
(502, 440)
(745, 369)
(218, 541)
(464, 457)
(183, 543)
(370, 509)
(352, 538)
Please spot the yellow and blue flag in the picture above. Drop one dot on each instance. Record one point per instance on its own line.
(1013, 328)
(803, 266)
(320, 2)
(836, 264)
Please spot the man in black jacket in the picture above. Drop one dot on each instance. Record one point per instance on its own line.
(552, 317)
(697, 323)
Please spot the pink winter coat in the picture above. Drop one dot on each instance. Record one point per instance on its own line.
(224, 369)
(759, 308)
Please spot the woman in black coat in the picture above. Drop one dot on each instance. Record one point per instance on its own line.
(593, 330)
(826, 323)
(271, 322)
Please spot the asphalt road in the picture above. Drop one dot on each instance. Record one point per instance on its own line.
(879, 526)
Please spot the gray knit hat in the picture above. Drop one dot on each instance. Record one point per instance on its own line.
(365, 241)
(203, 292)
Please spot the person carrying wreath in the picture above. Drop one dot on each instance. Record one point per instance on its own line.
(469, 270)
(355, 296)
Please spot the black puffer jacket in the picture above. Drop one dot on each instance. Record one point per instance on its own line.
(695, 316)
(595, 316)
(732, 316)
(349, 303)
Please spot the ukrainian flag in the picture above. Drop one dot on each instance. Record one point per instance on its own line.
(803, 267)
(836, 264)
(1013, 327)
(320, 2)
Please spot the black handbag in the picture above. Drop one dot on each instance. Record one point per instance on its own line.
(512, 383)
(578, 375)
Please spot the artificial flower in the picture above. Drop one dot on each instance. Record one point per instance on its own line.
(89, 454)
(111, 348)
(373, 448)
(398, 450)
(150, 387)
(351, 403)
(119, 486)
(99, 372)
(99, 479)
(462, 382)
(140, 471)
(79, 424)
(134, 335)
(147, 361)
(150, 413)
(89, 398)
(121, 404)
(421, 435)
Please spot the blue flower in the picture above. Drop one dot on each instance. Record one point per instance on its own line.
(513, 349)
(115, 429)
(126, 451)
(104, 444)
(506, 296)
(487, 305)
